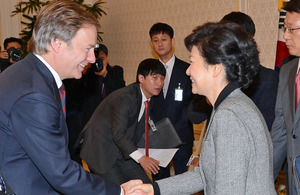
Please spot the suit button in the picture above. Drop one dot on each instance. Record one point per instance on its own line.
(294, 136)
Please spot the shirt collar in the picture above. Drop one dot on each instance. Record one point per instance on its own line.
(224, 93)
(53, 72)
(144, 97)
(170, 63)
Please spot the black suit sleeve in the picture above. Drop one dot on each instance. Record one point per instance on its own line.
(114, 78)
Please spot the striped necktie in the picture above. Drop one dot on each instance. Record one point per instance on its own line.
(2, 185)
(62, 94)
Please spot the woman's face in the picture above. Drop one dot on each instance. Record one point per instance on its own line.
(199, 73)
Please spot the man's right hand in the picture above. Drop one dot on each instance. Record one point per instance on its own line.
(149, 164)
(4, 54)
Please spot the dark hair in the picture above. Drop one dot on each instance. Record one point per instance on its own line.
(292, 6)
(241, 19)
(161, 28)
(10, 40)
(102, 48)
(230, 45)
(150, 66)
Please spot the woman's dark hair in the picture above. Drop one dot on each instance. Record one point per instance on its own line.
(230, 45)
(150, 66)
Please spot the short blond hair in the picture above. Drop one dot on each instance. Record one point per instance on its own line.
(61, 19)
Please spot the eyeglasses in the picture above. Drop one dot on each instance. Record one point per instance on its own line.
(290, 30)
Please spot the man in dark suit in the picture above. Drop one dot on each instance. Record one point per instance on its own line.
(33, 132)
(173, 101)
(286, 127)
(263, 89)
(98, 84)
(117, 125)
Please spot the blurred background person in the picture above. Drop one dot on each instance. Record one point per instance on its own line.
(12, 52)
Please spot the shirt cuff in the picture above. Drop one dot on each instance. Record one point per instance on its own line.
(136, 155)
(122, 191)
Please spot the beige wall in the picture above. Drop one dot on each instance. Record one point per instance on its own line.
(127, 24)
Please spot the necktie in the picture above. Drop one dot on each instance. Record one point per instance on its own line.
(146, 129)
(2, 185)
(62, 94)
(166, 82)
(297, 89)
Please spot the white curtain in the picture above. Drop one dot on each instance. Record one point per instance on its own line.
(9, 26)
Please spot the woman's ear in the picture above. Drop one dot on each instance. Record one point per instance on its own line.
(217, 69)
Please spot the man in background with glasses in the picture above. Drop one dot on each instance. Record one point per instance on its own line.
(286, 127)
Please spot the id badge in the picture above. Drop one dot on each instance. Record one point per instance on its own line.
(151, 124)
(178, 94)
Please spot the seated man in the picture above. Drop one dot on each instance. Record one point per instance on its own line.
(110, 137)
(5, 58)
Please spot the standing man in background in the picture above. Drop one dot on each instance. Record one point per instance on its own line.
(286, 127)
(33, 132)
(174, 99)
(99, 83)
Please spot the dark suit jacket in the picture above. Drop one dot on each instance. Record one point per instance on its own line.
(176, 111)
(93, 91)
(34, 137)
(263, 91)
(113, 129)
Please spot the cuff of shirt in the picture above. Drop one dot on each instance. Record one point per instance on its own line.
(122, 191)
(136, 155)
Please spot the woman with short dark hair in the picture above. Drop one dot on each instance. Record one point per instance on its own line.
(236, 155)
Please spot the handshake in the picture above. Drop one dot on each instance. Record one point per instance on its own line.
(136, 187)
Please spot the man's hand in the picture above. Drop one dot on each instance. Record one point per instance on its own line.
(4, 54)
(103, 72)
(149, 164)
(126, 186)
(141, 189)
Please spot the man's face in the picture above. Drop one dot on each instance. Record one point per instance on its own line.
(162, 44)
(15, 45)
(104, 58)
(151, 84)
(292, 20)
(73, 59)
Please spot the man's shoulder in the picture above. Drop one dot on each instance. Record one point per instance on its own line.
(181, 62)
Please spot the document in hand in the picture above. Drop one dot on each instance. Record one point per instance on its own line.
(164, 156)
(164, 137)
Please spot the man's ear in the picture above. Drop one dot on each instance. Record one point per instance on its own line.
(56, 44)
(217, 68)
(141, 78)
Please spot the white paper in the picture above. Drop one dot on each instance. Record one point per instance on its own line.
(164, 156)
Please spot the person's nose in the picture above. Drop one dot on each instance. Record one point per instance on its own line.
(91, 56)
(286, 35)
(188, 71)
